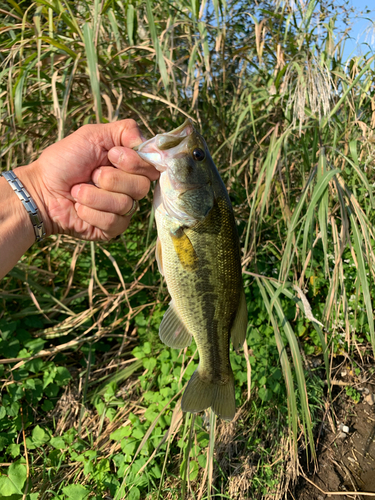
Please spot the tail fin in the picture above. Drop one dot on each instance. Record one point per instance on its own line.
(200, 394)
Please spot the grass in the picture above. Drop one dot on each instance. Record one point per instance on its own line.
(90, 398)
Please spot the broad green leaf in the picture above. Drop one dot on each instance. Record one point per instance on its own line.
(13, 482)
(134, 494)
(40, 436)
(76, 492)
(120, 433)
(58, 443)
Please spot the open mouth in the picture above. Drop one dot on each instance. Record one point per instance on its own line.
(163, 147)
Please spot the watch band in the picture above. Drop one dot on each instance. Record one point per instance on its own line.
(27, 202)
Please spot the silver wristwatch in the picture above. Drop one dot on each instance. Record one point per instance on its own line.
(27, 202)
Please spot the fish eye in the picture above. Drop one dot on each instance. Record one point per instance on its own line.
(198, 154)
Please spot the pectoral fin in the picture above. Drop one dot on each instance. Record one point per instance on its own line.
(172, 331)
(159, 257)
(239, 327)
(184, 249)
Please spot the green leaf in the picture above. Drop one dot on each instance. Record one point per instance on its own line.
(76, 492)
(59, 45)
(120, 433)
(319, 190)
(40, 436)
(101, 469)
(134, 494)
(14, 450)
(357, 239)
(193, 470)
(130, 21)
(159, 53)
(14, 481)
(58, 443)
(149, 363)
(62, 376)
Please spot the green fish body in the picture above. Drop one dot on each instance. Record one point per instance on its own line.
(198, 253)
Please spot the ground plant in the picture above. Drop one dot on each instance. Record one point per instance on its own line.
(90, 398)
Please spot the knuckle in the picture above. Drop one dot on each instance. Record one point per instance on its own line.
(86, 129)
(84, 193)
(131, 123)
(124, 205)
(111, 220)
(81, 211)
(143, 186)
(107, 176)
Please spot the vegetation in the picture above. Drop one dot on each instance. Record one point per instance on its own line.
(90, 397)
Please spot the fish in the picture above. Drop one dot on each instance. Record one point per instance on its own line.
(198, 253)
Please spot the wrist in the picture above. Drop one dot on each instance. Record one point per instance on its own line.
(28, 175)
(16, 231)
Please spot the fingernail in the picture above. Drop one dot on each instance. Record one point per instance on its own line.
(75, 191)
(95, 176)
(114, 155)
(76, 206)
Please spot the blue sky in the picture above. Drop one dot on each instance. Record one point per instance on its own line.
(359, 34)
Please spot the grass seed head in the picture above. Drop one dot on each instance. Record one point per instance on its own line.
(309, 85)
(291, 4)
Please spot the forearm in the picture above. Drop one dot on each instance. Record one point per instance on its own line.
(16, 230)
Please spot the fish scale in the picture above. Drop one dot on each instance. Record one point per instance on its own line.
(199, 254)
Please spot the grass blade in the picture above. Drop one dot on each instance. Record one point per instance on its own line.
(357, 241)
(286, 368)
(159, 54)
(211, 449)
(92, 64)
(298, 365)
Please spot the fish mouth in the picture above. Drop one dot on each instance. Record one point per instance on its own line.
(162, 147)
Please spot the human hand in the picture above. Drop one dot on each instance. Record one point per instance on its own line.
(76, 187)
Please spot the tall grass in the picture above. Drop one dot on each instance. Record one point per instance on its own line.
(289, 124)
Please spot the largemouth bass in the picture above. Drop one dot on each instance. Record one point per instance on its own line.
(198, 253)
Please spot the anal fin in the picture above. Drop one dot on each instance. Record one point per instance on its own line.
(172, 331)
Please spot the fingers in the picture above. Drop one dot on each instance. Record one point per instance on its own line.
(106, 204)
(128, 160)
(107, 135)
(112, 143)
(112, 179)
(107, 201)
(111, 224)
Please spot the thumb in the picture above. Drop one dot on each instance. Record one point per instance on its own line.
(108, 135)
